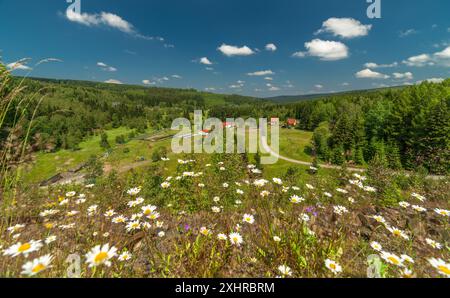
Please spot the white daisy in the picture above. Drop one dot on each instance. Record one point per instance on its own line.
(100, 255)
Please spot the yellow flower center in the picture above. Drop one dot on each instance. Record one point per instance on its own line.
(444, 269)
(101, 257)
(394, 260)
(38, 268)
(397, 233)
(332, 266)
(147, 212)
(24, 247)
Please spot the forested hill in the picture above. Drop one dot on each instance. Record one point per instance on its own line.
(298, 98)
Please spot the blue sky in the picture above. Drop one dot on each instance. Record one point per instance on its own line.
(252, 47)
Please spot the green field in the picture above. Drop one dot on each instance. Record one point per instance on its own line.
(293, 144)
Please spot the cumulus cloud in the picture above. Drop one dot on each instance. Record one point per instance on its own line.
(445, 54)
(419, 60)
(274, 88)
(113, 81)
(345, 27)
(318, 86)
(106, 67)
(441, 58)
(205, 61)
(370, 74)
(325, 50)
(148, 82)
(230, 51)
(403, 76)
(375, 65)
(271, 47)
(175, 76)
(261, 73)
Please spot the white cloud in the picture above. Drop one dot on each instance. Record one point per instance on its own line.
(274, 88)
(345, 27)
(375, 65)
(268, 78)
(113, 81)
(148, 82)
(403, 76)
(419, 60)
(445, 54)
(432, 80)
(271, 47)
(345, 84)
(210, 89)
(230, 51)
(175, 76)
(205, 61)
(104, 18)
(235, 86)
(325, 50)
(261, 73)
(109, 20)
(106, 67)
(369, 74)
(407, 32)
(318, 86)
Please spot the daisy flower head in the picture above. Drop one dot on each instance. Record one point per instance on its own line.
(407, 258)
(398, 233)
(134, 191)
(239, 191)
(70, 194)
(333, 266)
(24, 249)
(215, 209)
(248, 218)
(304, 217)
(133, 225)
(406, 273)
(376, 246)
(161, 234)
(433, 244)
(296, 199)
(222, 237)
(404, 204)
(50, 239)
(147, 210)
(265, 193)
(442, 267)
(165, 185)
(340, 210)
(125, 256)
(418, 208)
(379, 218)
(392, 258)
(285, 270)
(205, 231)
(109, 213)
(236, 239)
(37, 265)
(442, 212)
(277, 181)
(100, 255)
(119, 219)
(276, 239)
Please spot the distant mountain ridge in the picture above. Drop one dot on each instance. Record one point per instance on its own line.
(297, 98)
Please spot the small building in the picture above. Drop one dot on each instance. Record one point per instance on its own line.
(292, 122)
